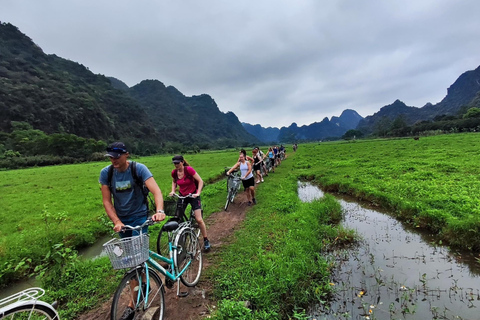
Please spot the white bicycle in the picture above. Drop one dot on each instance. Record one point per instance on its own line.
(26, 305)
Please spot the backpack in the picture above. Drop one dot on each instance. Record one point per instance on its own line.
(147, 198)
(187, 175)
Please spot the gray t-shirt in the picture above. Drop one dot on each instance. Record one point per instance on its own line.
(128, 197)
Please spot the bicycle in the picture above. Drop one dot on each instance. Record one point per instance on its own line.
(177, 215)
(26, 305)
(233, 185)
(147, 301)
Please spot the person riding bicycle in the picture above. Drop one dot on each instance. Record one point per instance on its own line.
(271, 158)
(129, 206)
(123, 199)
(257, 162)
(262, 163)
(248, 180)
(189, 182)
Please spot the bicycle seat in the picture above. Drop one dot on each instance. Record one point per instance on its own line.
(170, 225)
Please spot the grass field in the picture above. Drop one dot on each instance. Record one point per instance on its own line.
(275, 261)
(432, 183)
(47, 206)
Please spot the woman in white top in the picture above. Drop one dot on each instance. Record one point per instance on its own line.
(247, 177)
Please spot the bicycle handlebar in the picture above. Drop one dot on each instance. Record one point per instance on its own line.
(182, 197)
(147, 222)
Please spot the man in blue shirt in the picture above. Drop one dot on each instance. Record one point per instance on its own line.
(128, 206)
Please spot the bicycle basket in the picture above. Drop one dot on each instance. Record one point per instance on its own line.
(170, 206)
(127, 252)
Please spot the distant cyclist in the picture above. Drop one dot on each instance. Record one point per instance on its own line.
(257, 162)
(189, 182)
(262, 163)
(271, 158)
(248, 180)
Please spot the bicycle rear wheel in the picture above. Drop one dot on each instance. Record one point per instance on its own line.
(33, 311)
(189, 251)
(128, 291)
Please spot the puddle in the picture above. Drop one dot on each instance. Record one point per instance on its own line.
(396, 273)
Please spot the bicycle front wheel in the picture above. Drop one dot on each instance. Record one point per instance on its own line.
(33, 311)
(131, 294)
(189, 252)
(229, 199)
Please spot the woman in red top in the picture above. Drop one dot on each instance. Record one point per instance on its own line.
(189, 182)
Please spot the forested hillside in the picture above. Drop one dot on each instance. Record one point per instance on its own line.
(50, 106)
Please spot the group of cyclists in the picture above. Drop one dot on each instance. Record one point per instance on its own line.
(124, 198)
(125, 185)
(256, 167)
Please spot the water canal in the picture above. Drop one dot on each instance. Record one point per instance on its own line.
(395, 272)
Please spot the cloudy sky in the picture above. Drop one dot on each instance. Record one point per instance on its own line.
(271, 62)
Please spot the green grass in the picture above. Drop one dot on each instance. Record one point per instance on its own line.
(46, 206)
(275, 261)
(432, 183)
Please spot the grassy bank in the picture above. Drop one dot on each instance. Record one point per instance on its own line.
(60, 206)
(431, 183)
(275, 263)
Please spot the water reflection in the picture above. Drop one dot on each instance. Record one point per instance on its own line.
(395, 274)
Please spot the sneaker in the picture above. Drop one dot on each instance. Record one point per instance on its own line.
(206, 245)
(249, 203)
(254, 201)
(128, 314)
(258, 181)
(262, 180)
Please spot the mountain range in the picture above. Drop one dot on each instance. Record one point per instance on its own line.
(335, 127)
(463, 94)
(59, 96)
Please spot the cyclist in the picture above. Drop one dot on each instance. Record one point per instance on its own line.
(124, 202)
(257, 162)
(271, 158)
(189, 182)
(128, 206)
(248, 180)
(262, 163)
(277, 156)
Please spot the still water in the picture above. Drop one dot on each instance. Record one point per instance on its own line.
(396, 272)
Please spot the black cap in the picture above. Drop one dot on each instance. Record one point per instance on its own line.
(177, 159)
(116, 149)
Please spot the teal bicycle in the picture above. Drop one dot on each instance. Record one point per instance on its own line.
(141, 293)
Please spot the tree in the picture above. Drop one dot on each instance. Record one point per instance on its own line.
(472, 113)
(352, 134)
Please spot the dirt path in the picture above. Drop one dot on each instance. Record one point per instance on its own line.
(198, 303)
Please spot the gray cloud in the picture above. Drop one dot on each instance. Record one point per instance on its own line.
(270, 62)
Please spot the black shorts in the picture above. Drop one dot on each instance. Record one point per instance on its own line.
(256, 166)
(196, 203)
(272, 161)
(248, 183)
